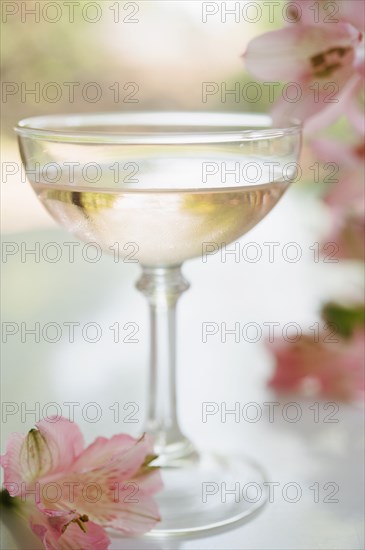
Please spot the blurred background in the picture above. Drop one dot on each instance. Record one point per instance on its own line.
(162, 55)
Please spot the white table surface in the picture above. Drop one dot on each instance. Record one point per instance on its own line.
(304, 452)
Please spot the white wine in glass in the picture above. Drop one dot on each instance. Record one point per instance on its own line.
(161, 186)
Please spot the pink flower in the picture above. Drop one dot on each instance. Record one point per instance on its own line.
(77, 491)
(320, 61)
(331, 368)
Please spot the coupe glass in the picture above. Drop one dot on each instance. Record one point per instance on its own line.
(162, 188)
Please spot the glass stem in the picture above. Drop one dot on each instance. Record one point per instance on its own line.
(162, 287)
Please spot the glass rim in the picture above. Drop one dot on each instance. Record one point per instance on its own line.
(74, 128)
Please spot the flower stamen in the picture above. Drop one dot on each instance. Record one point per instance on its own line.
(79, 521)
(326, 63)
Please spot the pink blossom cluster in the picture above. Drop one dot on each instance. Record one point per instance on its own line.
(322, 55)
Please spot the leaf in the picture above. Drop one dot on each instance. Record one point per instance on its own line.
(6, 501)
(346, 319)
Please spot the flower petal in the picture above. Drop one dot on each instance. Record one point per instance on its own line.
(65, 442)
(150, 481)
(308, 13)
(353, 12)
(102, 450)
(330, 111)
(10, 461)
(74, 538)
(348, 235)
(346, 196)
(302, 51)
(35, 456)
(136, 518)
(354, 113)
(315, 109)
(89, 537)
(330, 150)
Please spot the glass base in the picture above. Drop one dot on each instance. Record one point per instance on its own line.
(209, 494)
